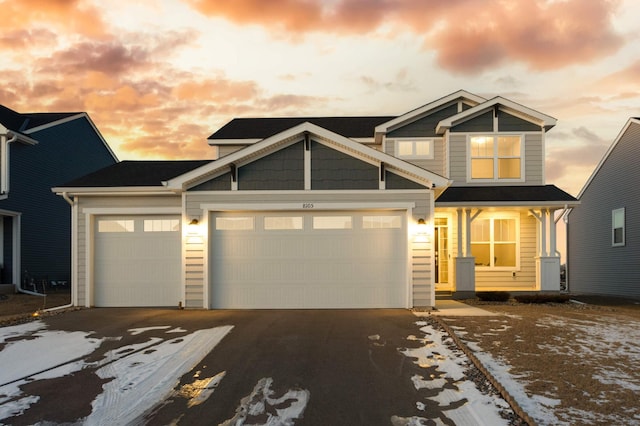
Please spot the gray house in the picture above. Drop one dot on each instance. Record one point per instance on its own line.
(38, 151)
(327, 212)
(603, 235)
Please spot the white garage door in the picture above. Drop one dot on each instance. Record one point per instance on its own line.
(137, 261)
(350, 259)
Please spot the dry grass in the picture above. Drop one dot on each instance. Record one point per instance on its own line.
(586, 357)
(16, 307)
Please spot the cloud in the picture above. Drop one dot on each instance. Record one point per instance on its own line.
(468, 36)
(627, 78)
(75, 16)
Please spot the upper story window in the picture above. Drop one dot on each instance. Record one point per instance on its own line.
(417, 148)
(617, 227)
(495, 157)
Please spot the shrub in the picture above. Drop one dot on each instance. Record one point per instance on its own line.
(493, 296)
(542, 298)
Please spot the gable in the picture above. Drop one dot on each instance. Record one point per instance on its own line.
(425, 126)
(481, 123)
(511, 123)
(282, 169)
(332, 169)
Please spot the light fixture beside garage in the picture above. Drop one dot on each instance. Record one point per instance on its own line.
(421, 231)
(194, 221)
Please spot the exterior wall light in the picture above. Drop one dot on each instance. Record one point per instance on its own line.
(421, 231)
(194, 221)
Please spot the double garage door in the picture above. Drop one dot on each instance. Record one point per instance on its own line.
(258, 260)
(300, 259)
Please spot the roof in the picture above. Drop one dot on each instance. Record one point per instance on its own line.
(262, 128)
(135, 173)
(524, 194)
(22, 122)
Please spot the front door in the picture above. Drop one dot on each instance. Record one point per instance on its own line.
(441, 250)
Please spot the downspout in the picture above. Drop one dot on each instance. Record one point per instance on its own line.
(68, 199)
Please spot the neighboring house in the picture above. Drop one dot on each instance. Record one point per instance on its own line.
(38, 151)
(603, 235)
(328, 212)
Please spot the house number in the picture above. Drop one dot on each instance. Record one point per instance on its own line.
(307, 205)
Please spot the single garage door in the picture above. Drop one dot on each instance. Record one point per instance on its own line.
(352, 259)
(137, 261)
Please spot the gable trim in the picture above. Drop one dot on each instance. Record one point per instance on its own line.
(545, 121)
(418, 112)
(296, 134)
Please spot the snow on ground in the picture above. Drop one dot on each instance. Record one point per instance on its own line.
(143, 374)
(460, 401)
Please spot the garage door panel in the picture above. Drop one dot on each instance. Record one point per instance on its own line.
(309, 268)
(138, 267)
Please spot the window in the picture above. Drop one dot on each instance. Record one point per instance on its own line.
(234, 223)
(274, 223)
(161, 225)
(381, 222)
(617, 227)
(332, 222)
(496, 157)
(414, 148)
(494, 242)
(110, 225)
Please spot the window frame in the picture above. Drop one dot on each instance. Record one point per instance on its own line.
(414, 141)
(613, 227)
(492, 218)
(496, 157)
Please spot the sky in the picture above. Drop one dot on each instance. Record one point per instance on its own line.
(157, 77)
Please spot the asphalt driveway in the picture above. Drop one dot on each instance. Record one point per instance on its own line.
(307, 367)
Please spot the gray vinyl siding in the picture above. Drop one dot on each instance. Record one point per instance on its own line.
(331, 169)
(393, 181)
(510, 123)
(458, 158)
(64, 152)
(220, 183)
(425, 126)
(534, 159)
(420, 255)
(594, 266)
(283, 169)
(111, 202)
(224, 150)
(480, 123)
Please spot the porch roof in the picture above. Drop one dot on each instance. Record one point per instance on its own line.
(522, 195)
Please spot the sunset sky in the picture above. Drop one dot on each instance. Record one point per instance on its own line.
(159, 76)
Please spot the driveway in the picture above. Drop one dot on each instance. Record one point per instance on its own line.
(167, 366)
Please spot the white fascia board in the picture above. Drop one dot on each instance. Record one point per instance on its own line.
(250, 141)
(520, 110)
(628, 124)
(411, 115)
(125, 190)
(294, 133)
(20, 137)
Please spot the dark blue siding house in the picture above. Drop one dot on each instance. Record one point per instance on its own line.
(39, 151)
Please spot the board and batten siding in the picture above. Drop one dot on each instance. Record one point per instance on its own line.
(594, 265)
(420, 255)
(123, 204)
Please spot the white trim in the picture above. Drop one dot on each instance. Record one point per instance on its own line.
(413, 141)
(127, 190)
(295, 134)
(496, 157)
(511, 107)
(305, 206)
(131, 210)
(613, 228)
(423, 110)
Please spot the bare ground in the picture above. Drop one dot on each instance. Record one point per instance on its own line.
(18, 307)
(582, 359)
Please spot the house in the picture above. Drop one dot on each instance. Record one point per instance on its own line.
(328, 212)
(38, 151)
(602, 235)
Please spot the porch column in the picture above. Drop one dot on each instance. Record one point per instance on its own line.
(547, 262)
(465, 268)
